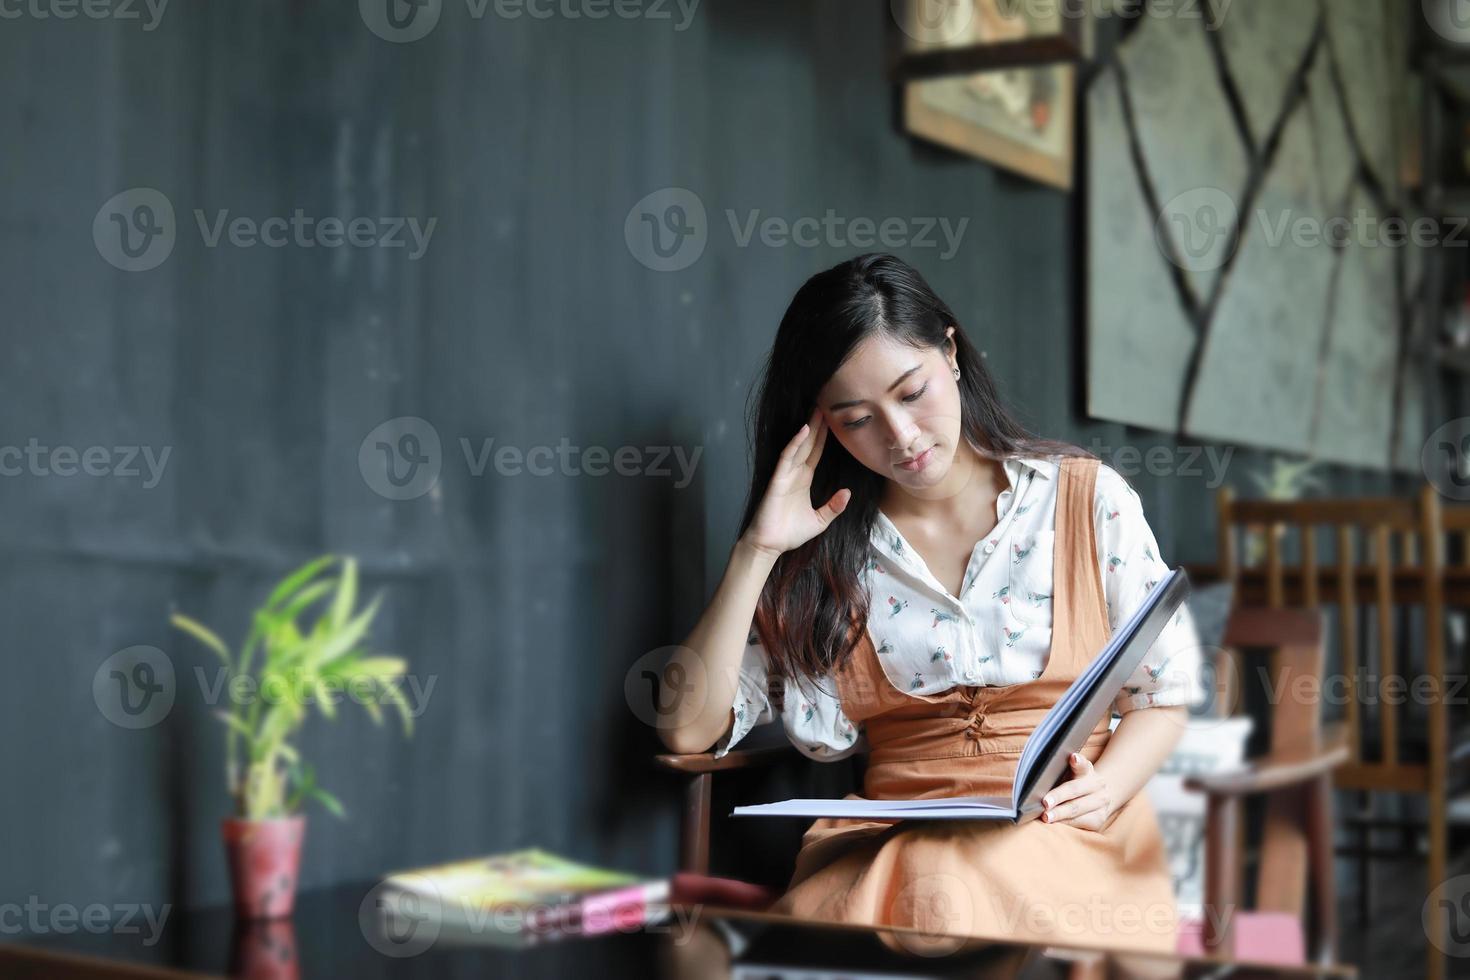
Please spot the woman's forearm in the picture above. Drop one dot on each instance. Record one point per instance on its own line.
(1138, 747)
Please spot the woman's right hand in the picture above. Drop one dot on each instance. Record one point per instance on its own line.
(785, 518)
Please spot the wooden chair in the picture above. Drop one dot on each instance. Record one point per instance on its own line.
(1397, 754)
(1295, 777)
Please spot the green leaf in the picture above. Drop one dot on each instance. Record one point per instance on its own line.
(203, 634)
(324, 698)
(327, 800)
(337, 643)
(302, 600)
(346, 596)
(297, 579)
(394, 695)
(236, 725)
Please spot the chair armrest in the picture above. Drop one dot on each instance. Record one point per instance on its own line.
(1276, 770)
(702, 762)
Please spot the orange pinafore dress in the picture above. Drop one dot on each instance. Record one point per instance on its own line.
(1035, 881)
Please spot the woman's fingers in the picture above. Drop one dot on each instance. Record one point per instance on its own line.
(834, 506)
(1069, 790)
(1079, 811)
(818, 442)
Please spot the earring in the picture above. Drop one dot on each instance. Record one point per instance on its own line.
(956, 372)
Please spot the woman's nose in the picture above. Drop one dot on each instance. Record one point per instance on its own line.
(901, 433)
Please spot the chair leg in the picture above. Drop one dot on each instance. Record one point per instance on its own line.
(1438, 868)
(1222, 865)
(1365, 813)
(694, 842)
(1324, 872)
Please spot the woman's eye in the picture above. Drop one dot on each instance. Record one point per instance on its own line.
(859, 423)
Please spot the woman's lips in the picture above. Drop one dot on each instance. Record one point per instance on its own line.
(919, 461)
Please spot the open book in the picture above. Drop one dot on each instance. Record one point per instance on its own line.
(1043, 761)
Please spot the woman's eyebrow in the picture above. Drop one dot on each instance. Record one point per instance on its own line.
(838, 406)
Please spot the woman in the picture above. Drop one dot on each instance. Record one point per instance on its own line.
(956, 577)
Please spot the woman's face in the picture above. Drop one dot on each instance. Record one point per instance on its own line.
(896, 409)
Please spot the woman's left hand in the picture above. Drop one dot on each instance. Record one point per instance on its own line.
(1082, 801)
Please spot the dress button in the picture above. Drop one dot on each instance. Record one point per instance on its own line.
(989, 547)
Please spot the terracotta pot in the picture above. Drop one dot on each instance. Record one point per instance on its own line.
(264, 858)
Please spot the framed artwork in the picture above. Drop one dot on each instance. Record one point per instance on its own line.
(1018, 114)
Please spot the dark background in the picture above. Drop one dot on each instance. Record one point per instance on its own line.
(526, 598)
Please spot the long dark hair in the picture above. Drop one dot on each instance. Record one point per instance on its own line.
(813, 611)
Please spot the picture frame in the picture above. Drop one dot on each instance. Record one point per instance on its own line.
(995, 80)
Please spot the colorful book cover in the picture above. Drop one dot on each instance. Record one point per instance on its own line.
(532, 889)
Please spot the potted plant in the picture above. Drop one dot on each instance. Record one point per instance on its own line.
(1285, 481)
(282, 669)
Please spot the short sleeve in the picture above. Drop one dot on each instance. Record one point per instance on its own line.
(1131, 566)
(810, 711)
(752, 704)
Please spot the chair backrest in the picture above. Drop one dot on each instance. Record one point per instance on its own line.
(1280, 565)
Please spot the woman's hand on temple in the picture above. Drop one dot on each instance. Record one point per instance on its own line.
(1082, 801)
(785, 518)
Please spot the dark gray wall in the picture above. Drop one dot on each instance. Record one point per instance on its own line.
(525, 598)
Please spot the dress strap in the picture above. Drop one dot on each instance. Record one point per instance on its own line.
(1079, 606)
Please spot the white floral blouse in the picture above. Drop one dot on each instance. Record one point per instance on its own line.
(998, 630)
